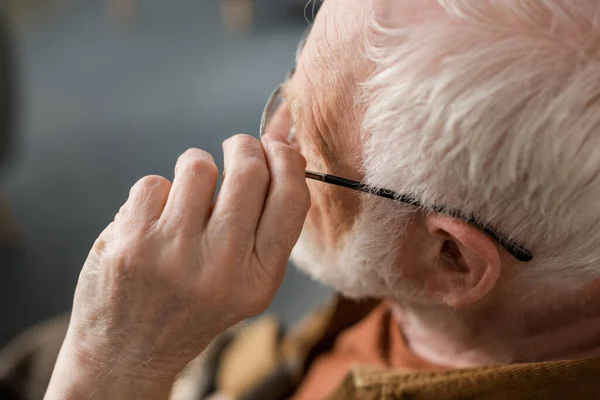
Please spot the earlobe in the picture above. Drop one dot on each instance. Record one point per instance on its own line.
(467, 260)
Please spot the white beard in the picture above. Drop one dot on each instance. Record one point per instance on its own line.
(366, 262)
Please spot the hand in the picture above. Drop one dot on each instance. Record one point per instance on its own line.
(175, 269)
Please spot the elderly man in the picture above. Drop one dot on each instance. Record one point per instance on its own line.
(472, 127)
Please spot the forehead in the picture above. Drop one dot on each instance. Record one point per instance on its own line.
(330, 66)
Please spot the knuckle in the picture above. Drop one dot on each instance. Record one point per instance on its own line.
(128, 251)
(288, 153)
(104, 238)
(198, 162)
(243, 139)
(202, 167)
(249, 158)
(120, 216)
(150, 182)
(247, 145)
(194, 153)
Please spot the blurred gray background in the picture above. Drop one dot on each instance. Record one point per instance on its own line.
(106, 102)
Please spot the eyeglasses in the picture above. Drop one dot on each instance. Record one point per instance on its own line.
(270, 120)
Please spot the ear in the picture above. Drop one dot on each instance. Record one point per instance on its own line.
(467, 260)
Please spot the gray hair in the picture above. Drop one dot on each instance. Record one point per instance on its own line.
(493, 108)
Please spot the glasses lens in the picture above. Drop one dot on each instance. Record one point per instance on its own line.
(277, 118)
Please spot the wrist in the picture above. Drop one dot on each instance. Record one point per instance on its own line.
(85, 374)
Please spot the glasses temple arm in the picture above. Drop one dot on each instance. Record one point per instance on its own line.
(517, 251)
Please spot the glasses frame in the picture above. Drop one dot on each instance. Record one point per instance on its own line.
(517, 251)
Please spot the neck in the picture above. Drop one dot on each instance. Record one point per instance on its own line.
(496, 334)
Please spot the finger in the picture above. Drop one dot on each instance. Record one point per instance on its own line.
(146, 200)
(241, 199)
(190, 200)
(286, 206)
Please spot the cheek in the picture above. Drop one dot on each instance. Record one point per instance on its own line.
(332, 214)
(412, 254)
(334, 209)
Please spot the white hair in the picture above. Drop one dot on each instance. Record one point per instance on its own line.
(365, 262)
(493, 108)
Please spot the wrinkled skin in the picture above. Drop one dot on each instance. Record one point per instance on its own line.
(173, 270)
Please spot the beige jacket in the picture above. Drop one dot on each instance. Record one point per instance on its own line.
(260, 361)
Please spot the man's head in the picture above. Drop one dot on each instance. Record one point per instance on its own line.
(491, 108)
